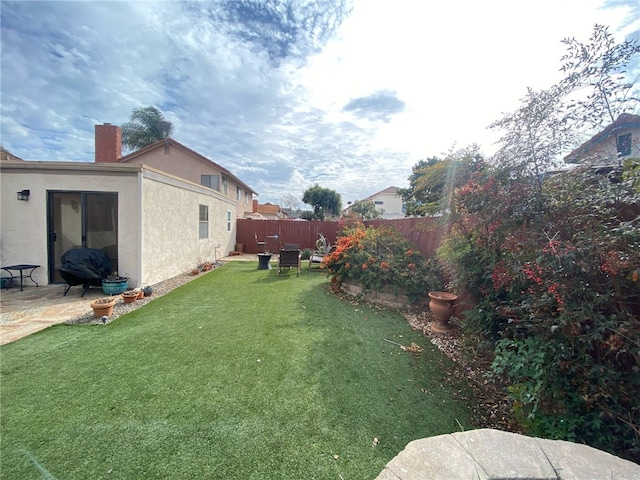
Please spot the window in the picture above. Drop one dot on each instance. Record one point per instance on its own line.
(378, 202)
(246, 198)
(211, 181)
(228, 220)
(224, 185)
(238, 193)
(624, 144)
(204, 221)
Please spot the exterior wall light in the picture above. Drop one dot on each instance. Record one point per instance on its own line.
(24, 195)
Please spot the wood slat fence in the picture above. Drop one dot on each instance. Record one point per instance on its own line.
(425, 233)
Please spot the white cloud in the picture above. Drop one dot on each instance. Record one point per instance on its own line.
(286, 93)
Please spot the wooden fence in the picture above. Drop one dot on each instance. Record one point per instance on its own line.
(425, 233)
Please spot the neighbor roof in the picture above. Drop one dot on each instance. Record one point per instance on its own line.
(624, 120)
(268, 208)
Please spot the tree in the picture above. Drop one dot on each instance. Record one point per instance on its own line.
(290, 202)
(366, 209)
(535, 135)
(326, 203)
(146, 125)
(596, 75)
(432, 181)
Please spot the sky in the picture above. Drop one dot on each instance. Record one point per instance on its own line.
(286, 94)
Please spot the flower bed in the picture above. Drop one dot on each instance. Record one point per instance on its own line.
(381, 260)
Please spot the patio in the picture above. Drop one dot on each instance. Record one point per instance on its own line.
(36, 308)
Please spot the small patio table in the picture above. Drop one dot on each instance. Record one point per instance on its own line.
(264, 261)
(21, 267)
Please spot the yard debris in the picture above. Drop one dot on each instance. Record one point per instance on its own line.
(413, 348)
(375, 442)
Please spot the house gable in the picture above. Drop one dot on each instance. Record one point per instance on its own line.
(388, 201)
(175, 159)
(619, 140)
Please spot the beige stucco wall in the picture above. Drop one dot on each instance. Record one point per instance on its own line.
(23, 228)
(170, 225)
(182, 164)
(392, 205)
(606, 150)
(158, 217)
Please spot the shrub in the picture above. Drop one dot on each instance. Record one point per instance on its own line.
(381, 258)
(558, 292)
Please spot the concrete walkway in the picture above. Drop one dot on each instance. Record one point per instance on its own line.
(36, 308)
(485, 454)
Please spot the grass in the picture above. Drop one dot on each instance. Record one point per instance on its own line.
(235, 375)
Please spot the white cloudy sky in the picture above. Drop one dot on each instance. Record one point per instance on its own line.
(349, 94)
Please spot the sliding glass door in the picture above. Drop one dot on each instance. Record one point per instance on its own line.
(81, 220)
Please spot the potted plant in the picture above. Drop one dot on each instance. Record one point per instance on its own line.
(115, 284)
(130, 296)
(442, 306)
(103, 307)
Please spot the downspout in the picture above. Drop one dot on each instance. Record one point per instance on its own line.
(140, 227)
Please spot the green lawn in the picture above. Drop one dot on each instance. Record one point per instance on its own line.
(235, 375)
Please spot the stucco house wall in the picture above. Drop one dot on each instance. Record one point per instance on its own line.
(175, 159)
(158, 217)
(386, 201)
(602, 148)
(23, 230)
(391, 205)
(170, 225)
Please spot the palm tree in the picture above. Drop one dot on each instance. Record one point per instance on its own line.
(145, 126)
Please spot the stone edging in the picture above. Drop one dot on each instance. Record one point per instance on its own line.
(492, 454)
(389, 298)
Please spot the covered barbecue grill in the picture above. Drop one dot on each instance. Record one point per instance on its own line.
(84, 266)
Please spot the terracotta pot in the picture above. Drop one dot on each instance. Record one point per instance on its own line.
(442, 306)
(130, 297)
(103, 307)
(140, 294)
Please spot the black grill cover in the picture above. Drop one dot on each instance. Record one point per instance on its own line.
(82, 265)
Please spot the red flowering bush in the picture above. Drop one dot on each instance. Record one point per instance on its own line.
(555, 273)
(381, 258)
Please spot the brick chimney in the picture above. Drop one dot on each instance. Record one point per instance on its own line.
(255, 206)
(108, 143)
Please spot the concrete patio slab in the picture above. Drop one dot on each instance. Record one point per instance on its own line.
(36, 308)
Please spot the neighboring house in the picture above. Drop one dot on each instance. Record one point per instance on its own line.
(7, 155)
(266, 211)
(153, 223)
(618, 141)
(388, 202)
